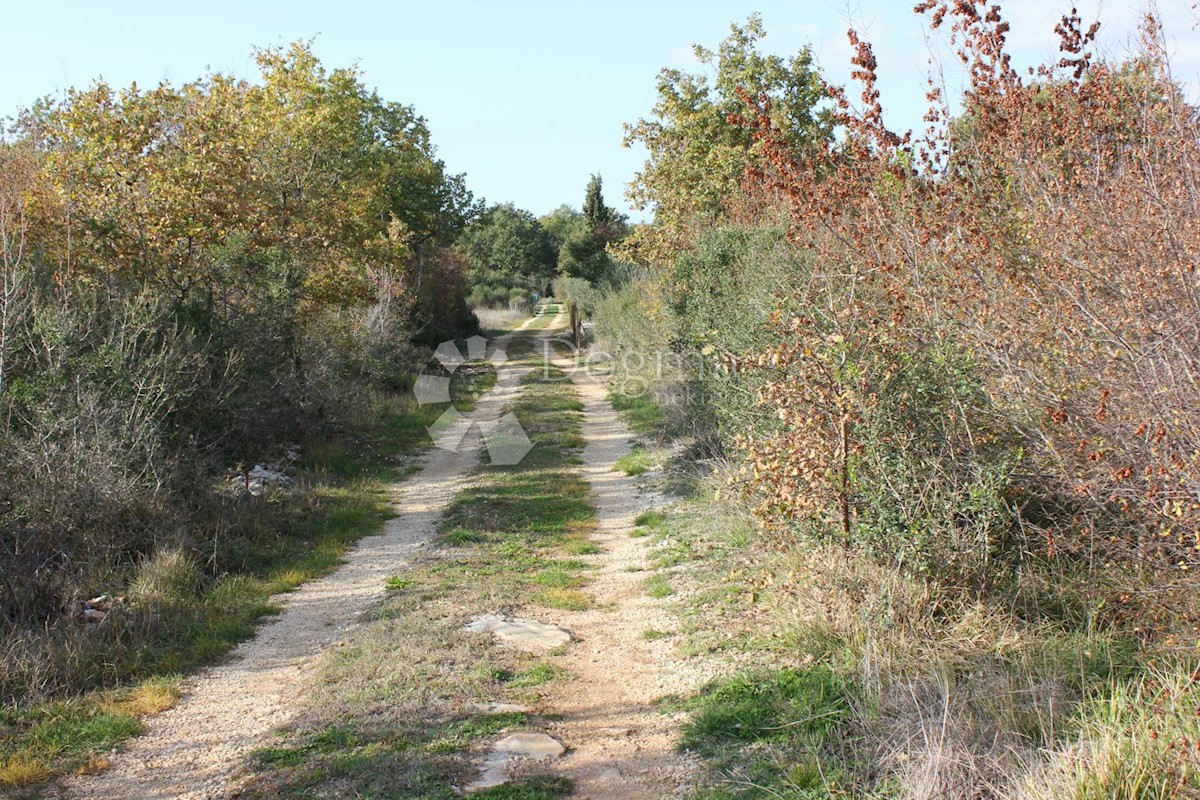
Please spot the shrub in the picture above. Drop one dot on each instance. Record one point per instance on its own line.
(192, 280)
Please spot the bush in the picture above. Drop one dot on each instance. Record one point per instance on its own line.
(173, 311)
(970, 368)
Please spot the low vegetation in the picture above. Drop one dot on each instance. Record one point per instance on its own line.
(162, 333)
(177, 618)
(767, 730)
(866, 684)
(637, 462)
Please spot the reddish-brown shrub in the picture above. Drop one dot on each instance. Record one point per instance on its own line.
(1035, 258)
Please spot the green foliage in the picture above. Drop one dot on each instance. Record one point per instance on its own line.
(674, 341)
(698, 156)
(723, 293)
(942, 368)
(928, 417)
(580, 293)
(559, 223)
(209, 274)
(511, 256)
(583, 253)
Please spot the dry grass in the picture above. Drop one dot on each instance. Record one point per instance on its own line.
(566, 599)
(166, 575)
(23, 770)
(955, 697)
(1140, 740)
(949, 697)
(496, 320)
(152, 697)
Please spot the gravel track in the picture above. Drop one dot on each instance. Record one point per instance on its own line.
(621, 746)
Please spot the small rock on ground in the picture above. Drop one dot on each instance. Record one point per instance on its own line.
(531, 745)
(518, 745)
(502, 708)
(523, 634)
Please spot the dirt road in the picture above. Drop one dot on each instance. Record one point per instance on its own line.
(620, 745)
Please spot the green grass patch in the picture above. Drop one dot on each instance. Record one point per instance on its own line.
(396, 426)
(581, 547)
(654, 635)
(636, 462)
(644, 416)
(460, 735)
(460, 537)
(539, 506)
(649, 522)
(1143, 735)
(770, 733)
(565, 599)
(279, 756)
(538, 674)
(541, 787)
(650, 518)
(658, 586)
(558, 577)
(766, 706)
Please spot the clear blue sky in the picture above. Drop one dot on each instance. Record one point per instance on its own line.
(527, 97)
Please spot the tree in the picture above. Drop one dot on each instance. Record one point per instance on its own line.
(699, 152)
(508, 251)
(584, 250)
(594, 210)
(192, 277)
(559, 224)
(17, 173)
